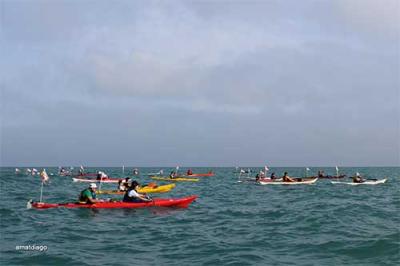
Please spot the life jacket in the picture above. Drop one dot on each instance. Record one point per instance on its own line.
(127, 198)
(83, 197)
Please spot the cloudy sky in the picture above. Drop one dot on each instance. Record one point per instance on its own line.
(200, 83)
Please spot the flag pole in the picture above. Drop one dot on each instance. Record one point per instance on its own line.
(41, 192)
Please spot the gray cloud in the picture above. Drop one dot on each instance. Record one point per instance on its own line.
(200, 83)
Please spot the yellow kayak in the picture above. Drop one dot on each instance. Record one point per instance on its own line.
(147, 189)
(177, 179)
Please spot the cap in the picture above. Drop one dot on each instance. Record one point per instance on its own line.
(93, 185)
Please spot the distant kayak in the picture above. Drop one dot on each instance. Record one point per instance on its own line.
(331, 177)
(85, 174)
(146, 189)
(178, 203)
(366, 182)
(200, 175)
(253, 180)
(176, 179)
(274, 182)
(94, 180)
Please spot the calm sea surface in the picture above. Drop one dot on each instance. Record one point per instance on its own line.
(231, 223)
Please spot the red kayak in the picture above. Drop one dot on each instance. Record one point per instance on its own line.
(199, 175)
(177, 203)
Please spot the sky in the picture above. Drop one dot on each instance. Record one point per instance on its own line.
(200, 83)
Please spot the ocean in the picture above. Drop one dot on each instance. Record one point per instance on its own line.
(231, 223)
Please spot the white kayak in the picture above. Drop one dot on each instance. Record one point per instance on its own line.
(94, 180)
(253, 180)
(273, 182)
(366, 182)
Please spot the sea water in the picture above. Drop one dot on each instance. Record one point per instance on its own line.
(231, 223)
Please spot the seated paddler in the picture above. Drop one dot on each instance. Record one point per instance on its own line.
(88, 195)
(131, 195)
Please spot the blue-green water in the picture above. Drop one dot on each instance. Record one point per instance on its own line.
(231, 223)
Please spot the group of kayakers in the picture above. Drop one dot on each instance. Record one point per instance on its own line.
(88, 195)
(174, 174)
(130, 189)
(262, 175)
(357, 178)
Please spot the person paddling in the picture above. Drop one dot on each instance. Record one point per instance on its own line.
(123, 184)
(189, 172)
(287, 178)
(88, 195)
(273, 176)
(321, 174)
(357, 178)
(172, 175)
(101, 175)
(131, 195)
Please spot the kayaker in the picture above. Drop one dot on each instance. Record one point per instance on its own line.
(101, 175)
(172, 175)
(88, 195)
(287, 178)
(321, 174)
(262, 174)
(257, 177)
(131, 195)
(273, 176)
(357, 178)
(123, 184)
(189, 172)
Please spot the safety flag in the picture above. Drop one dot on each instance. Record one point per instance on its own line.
(266, 169)
(44, 176)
